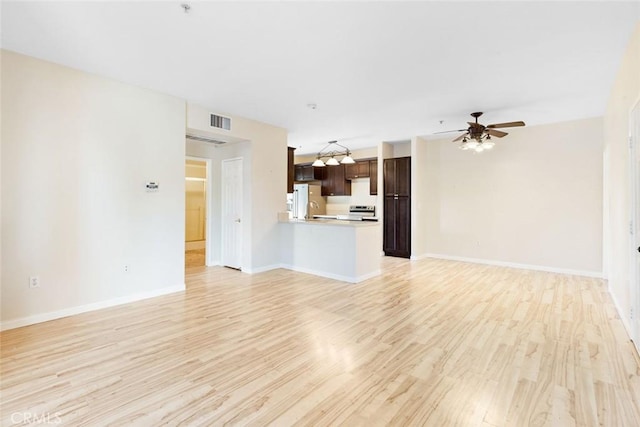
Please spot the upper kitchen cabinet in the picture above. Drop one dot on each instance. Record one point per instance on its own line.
(290, 169)
(359, 169)
(306, 172)
(335, 183)
(397, 176)
(373, 177)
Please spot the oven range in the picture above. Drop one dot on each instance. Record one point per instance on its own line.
(356, 213)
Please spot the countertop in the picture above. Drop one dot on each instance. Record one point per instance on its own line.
(347, 217)
(338, 222)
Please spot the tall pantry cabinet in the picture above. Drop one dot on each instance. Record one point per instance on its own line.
(397, 207)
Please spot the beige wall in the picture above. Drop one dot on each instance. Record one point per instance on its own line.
(385, 151)
(401, 149)
(625, 94)
(77, 150)
(534, 200)
(420, 189)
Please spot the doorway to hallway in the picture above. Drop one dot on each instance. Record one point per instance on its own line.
(195, 212)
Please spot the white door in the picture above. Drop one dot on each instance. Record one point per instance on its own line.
(232, 213)
(634, 134)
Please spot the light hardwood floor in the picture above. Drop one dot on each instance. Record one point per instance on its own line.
(194, 258)
(430, 342)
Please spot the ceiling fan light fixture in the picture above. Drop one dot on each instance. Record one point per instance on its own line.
(478, 137)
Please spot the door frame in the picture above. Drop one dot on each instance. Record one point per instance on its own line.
(208, 245)
(222, 211)
(634, 222)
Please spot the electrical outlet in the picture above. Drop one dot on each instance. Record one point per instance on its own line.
(34, 282)
(126, 268)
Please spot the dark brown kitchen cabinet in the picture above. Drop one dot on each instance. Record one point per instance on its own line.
(397, 207)
(397, 176)
(306, 172)
(335, 183)
(397, 226)
(359, 169)
(373, 177)
(291, 169)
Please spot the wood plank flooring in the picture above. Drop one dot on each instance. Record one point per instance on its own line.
(194, 258)
(428, 343)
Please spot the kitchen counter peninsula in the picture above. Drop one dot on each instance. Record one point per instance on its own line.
(337, 249)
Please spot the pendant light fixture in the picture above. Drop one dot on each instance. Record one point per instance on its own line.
(332, 150)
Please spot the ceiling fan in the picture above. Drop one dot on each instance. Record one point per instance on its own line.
(478, 136)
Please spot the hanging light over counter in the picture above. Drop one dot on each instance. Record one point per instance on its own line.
(330, 152)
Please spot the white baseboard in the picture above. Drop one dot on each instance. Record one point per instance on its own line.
(261, 269)
(65, 312)
(368, 276)
(624, 317)
(586, 273)
(349, 279)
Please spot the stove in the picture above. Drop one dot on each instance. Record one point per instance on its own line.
(356, 213)
(362, 210)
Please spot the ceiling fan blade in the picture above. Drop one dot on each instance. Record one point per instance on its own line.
(447, 131)
(460, 137)
(506, 125)
(497, 133)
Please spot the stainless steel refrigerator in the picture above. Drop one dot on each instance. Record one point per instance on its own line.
(308, 201)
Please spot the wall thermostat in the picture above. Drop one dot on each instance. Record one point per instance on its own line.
(152, 186)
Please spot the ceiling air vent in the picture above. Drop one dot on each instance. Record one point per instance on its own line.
(203, 139)
(220, 122)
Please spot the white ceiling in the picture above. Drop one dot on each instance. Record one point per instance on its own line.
(378, 71)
